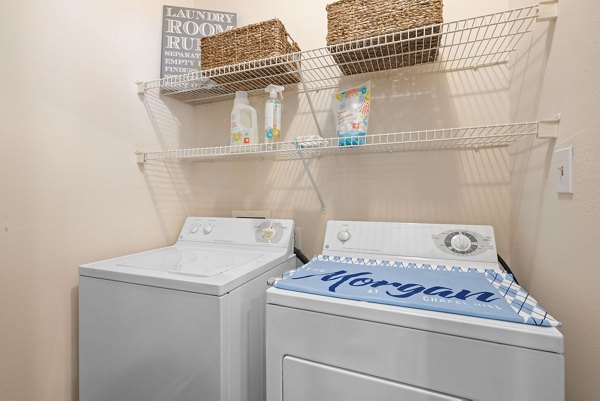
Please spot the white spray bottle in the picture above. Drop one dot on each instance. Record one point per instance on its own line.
(273, 114)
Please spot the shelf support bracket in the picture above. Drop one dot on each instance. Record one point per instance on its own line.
(312, 179)
(141, 87)
(140, 157)
(300, 153)
(548, 128)
(548, 10)
(308, 98)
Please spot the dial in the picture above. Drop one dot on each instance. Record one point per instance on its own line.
(270, 232)
(194, 228)
(207, 229)
(461, 242)
(344, 236)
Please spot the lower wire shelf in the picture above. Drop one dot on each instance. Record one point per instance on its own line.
(477, 137)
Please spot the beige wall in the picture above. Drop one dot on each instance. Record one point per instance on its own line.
(554, 237)
(443, 187)
(70, 191)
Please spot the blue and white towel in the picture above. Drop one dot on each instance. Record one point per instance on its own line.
(464, 291)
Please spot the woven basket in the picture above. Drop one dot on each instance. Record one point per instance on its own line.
(249, 43)
(353, 20)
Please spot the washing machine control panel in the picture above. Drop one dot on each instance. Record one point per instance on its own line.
(424, 241)
(268, 232)
(199, 226)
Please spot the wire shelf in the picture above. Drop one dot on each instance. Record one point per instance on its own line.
(454, 138)
(465, 44)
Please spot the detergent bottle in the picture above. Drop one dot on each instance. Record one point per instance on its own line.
(273, 114)
(244, 125)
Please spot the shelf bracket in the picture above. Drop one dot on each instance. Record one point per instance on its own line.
(548, 128)
(140, 157)
(312, 179)
(548, 10)
(308, 98)
(300, 153)
(141, 87)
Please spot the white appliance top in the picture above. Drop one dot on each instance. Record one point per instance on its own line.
(436, 244)
(212, 256)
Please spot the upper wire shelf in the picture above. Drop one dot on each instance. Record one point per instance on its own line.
(465, 44)
(478, 137)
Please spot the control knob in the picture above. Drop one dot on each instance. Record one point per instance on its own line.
(344, 236)
(207, 229)
(461, 242)
(269, 232)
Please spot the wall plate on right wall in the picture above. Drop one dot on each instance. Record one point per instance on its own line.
(563, 170)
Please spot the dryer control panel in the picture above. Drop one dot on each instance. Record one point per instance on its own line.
(424, 241)
(242, 231)
(463, 242)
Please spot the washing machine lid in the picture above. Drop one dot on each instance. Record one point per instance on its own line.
(190, 261)
(211, 270)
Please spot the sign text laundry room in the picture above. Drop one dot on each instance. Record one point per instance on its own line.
(181, 33)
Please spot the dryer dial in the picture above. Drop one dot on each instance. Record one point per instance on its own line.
(460, 242)
(344, 236)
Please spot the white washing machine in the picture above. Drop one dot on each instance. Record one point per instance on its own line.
(185, 322)
(323, 348)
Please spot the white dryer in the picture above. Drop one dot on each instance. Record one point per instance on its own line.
(321, 348)
(185, 322)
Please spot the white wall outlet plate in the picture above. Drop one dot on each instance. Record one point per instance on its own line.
(563, 170)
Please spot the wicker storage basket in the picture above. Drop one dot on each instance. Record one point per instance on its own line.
(352, 20)
(249, 43)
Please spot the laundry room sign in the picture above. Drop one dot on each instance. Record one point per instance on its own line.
(181, 33)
